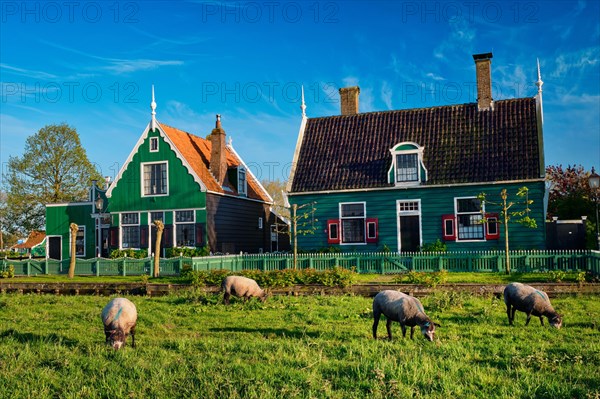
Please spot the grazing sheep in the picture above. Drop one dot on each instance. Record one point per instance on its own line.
(527, 299)
(241, 287)
(405, 309)
(119, 317)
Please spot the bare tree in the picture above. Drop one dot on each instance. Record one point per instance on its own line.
(74, 229)
(160, 227)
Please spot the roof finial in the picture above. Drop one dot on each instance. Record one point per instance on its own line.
(539, 82)
(303, 106)
(153, 108)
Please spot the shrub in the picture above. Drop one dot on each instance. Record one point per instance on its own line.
(437, 246)
(336, 277)
(129, 253)
(424, 278)
(556, 276)
(8, 272)
(187, 252)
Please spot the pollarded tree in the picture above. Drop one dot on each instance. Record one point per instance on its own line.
(519, 216)
(54, 167)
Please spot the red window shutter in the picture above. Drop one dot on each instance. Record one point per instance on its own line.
(199, 234)
(333, 231)
(372, 230)
(492, 227)
(114, 237)
(449, 227)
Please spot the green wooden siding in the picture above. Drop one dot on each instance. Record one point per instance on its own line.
(435, 202)
(183, 191)
(58, 219)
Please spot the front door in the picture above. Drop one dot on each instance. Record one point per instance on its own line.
(54, 244)
(409, 225)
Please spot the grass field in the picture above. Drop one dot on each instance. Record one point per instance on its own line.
(192, 346)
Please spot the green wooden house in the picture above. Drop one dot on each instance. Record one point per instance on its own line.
(407, 178)
(200, 189)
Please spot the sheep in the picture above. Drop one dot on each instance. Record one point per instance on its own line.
(242, 287)
(119, 317)
(405, 309)
(527, 299)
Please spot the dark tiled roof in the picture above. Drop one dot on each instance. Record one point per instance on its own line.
(461, 145)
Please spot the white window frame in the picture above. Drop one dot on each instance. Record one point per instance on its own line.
(143, 181)
(416, 149)
(342, 218)
(408, 212)
(79, 228)
(153, 141)
(176, 223)
(121, 225)
(457, 224)
(242, 183)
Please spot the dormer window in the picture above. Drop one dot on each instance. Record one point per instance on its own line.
(153, 144)
(241, 180)
(407, 167)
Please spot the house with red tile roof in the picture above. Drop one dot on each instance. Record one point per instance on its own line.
(403, 179)
(35, 244)
(200, 189)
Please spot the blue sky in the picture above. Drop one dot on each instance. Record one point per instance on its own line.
(91, 64)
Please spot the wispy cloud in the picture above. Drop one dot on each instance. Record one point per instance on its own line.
(576, 60)
(27, 72)
(120, 65)
(386, 94)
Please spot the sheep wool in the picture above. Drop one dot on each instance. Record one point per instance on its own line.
(531, 301)
(242, 287)
(119, 317)
(405, 309)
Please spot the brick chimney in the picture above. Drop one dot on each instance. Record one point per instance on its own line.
(483, 70)
(349, 100)
(218, 160)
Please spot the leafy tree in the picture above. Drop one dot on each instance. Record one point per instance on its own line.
(506, 216)
(571, 197)
(54, 168)
(275, 188)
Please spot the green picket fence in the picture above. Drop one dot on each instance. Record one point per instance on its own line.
(373, 262)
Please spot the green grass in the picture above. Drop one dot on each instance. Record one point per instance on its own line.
(191, 346)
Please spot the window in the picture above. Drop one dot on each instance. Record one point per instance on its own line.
(353, 222)
(407, 168)
(155, 178)
(468, 218)
(130, 230)
(242, 183)
(80, 242)
(157, 216)
(185, 232)
(153, 144)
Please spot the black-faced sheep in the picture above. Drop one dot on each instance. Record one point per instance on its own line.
(119, 317)
(242, 287)
(405, 309)
(525, 298)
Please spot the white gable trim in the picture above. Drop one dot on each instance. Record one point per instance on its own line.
(297, 153)
(178, 154)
